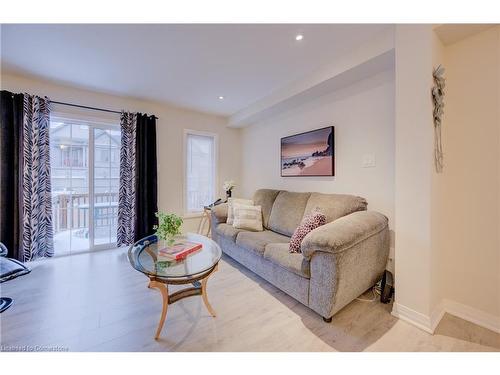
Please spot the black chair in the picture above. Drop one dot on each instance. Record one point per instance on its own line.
(9, 269)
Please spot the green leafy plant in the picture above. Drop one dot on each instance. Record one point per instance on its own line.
(168, 226)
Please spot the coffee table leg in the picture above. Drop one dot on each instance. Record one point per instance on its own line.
(164, 292)
(205, 297)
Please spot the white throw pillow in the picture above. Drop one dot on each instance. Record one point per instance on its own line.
(230, 204)
(248, 217)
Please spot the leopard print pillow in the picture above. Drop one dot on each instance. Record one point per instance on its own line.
(311, 221)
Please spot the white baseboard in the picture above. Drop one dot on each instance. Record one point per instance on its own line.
(429, 323)
(472, 315)
(413, 317)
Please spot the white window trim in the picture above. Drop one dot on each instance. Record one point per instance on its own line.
(191, 214)
(88, 121)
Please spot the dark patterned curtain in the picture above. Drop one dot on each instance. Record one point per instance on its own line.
(25, 199)
(126, 196)
(138, 194)
(11, 125)
(146, 184)
(37, 231)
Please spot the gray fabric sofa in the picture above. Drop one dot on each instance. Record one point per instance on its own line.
(339, 260)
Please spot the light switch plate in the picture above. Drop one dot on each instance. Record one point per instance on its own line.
(369, 161)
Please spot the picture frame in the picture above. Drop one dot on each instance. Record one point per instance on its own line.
(308, 154)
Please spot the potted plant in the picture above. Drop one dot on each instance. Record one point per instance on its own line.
(168, 227)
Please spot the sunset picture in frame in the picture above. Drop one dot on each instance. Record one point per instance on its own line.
(308, 154)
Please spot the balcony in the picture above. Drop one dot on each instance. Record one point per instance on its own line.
(72, 224)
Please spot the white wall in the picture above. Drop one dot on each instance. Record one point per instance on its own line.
(498, 113)
(172, 120)
(447, 242)
(468, 226)
(413, 176)
(438, 189)
(363, 116)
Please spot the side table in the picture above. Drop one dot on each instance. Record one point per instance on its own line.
(205, 222)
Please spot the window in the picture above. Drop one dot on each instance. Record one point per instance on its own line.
(103, 156)
(200, 170)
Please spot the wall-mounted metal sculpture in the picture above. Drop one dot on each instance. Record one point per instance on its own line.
(437, 99)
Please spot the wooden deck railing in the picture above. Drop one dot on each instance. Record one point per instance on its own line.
(71, 211)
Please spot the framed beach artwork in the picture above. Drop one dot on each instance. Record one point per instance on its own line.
(308, 154)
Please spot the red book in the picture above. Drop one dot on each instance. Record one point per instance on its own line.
(179, 250)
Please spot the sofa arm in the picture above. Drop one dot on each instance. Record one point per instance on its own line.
(347, 257)
(219, 213)
(344, 233)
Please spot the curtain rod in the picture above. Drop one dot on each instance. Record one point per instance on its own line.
(92, 108)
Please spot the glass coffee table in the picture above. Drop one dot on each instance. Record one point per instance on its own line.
(195, 269)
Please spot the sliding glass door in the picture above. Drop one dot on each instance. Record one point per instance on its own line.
(106, 178)
(69, 154)
(85, 162)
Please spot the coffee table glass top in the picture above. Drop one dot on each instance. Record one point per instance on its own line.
(143, 256)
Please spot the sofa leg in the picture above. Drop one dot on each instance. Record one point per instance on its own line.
(327, 320)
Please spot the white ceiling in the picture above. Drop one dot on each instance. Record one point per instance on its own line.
(188, 65)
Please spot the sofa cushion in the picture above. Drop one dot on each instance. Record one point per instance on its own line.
(230, 207)
(247, 217)
(279, 254)
(310, 222)
(265, 198)
(257, 241)
(219, 213)
(288, 210)
(228, 231)
(334, 206)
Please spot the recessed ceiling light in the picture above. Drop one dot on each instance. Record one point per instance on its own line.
(299, 37)
(221, 98)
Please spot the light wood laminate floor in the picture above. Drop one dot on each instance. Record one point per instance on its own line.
(97, 302)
